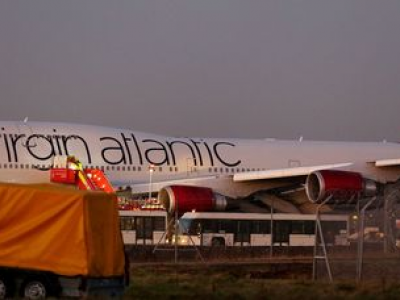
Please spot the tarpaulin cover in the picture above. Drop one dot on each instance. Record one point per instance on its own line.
(62, 230)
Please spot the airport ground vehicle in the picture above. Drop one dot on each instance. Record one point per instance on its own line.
(52, 242)
(69, 170)
(251, 229)
(143, 227)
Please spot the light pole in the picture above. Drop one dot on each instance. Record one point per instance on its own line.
(151, 170)
(272, 229)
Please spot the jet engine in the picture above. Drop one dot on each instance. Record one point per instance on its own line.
(342, 185)
(187, 198)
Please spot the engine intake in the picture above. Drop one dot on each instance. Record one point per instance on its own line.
(187, 198)
(342, 185)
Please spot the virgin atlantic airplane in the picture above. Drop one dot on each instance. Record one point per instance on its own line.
(204, 173)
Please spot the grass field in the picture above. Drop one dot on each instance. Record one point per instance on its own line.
(199, 281)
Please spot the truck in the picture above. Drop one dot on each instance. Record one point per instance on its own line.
(59, 241)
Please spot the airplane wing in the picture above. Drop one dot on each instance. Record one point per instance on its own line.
(394, 162)
(142, 188)
(285, 173)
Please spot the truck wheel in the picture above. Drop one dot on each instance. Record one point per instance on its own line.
(6, 288)
(34, 289)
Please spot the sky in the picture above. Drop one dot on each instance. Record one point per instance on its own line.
(321, 69)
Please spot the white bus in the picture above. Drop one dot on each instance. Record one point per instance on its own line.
(143, 227)
(253, 229)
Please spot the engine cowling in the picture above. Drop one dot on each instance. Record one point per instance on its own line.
(187, 198)
(342, 185)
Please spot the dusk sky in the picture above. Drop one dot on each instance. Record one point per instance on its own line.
(213, 68)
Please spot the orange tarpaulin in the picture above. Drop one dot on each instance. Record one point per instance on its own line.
(57, 229)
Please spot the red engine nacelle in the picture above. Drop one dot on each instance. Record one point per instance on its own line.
(187, 198)
(341, 184)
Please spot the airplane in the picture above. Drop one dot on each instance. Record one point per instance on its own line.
(204, 173)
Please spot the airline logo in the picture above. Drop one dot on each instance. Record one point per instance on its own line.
(124, 148)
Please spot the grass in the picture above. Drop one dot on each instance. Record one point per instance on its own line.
(207, 283)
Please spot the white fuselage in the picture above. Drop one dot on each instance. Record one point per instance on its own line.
(126, 155)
